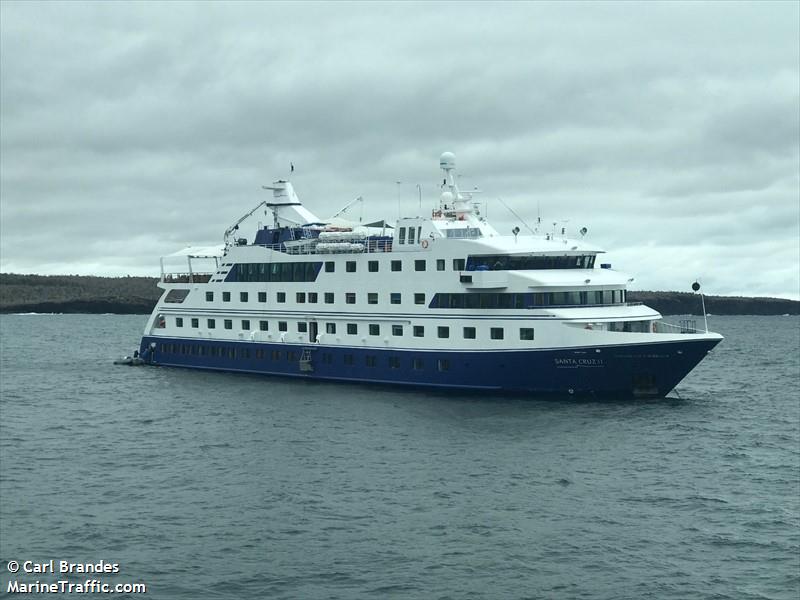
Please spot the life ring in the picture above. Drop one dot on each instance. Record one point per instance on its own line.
(424, 243)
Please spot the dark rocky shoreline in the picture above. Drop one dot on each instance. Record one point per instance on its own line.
(138, 295)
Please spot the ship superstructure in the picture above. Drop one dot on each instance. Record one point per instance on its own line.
(441, 301)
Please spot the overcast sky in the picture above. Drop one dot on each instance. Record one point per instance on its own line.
(671, 131)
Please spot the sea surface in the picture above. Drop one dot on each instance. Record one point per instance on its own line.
(214, 485)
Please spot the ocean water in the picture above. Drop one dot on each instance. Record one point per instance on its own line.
(213, 485)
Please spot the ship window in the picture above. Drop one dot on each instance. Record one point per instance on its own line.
(195, 323)
(397, 330)
(348, 359)
(300, 297)
(417, 364)
(419, 331)
(402, 235)
(259, 354)
(176, 296)
(496, 333)
(350, 298)
(243, 296)
(350, 266)
(327, 358)
(469, 333)
(211, 323)
(443, 364)
(330, 266)
(209, 296)
(419, 298)
(281, 297)
(330, 327)
(178, 321)
(443, 332)
(372, 266)
(291, 356)
(312, 297)
(440, 264)
(283, 326)
(262, 296)
(397, 265)
(369, 361)
(328, 297)
(410, 235)
(226, 296)
(228, 323)
(419, 265)
(245, 324)
(372, 298)
(526, 333)
(244, 353)
(275, 354)
(263, 325)
(394, 362)
(374, 329)
(419, 233)
(458, 264)
(302, 327)
(395, 297)
(352, 329)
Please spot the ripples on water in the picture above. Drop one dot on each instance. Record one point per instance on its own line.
(212, 485)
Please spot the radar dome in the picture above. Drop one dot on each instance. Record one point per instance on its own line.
(447, 161)
(447, 197)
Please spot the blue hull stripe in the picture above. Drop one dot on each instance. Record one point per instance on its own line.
(648, 369)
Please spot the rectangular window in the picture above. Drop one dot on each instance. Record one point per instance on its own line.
(372, 298)
(374, 329)
(440, 264)
(211, 323)
(410, 235)
(209, 296)
(443, 332)
(328, 297)
(496, 333)
(352, 329)
(243, 296)
(195, 323)
(394, 362)
(397, 330)
(417, 364)
(350, 266)
(300, 297)
(401, 235)
(178, 321)
(419, 298)
(526, 333)
(263, 325)
(372, 266)
(443, 364)
(330, 266)
(458, 264)
(283, 326)
(226, 296)
(281, 297)
(302, 327)
(228, 323)
(262, 296)
(327, 358)
(330, 327)
(245, 324)
(350, 297)
(419, 233)
(370, 361)
(419, 331)
(397, 265)
(419, 265)
(394, 298)
(348, 359)
(469, 333)
(312, 297)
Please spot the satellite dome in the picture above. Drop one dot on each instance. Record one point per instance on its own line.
(447, 197)
(447, 161)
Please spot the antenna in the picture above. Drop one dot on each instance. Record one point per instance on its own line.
(696, 288)
(516, 215)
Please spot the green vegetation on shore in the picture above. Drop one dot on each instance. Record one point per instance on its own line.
(138, 295)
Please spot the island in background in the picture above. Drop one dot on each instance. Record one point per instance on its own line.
(138, 295)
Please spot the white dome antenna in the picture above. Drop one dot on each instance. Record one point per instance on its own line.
(447, 161)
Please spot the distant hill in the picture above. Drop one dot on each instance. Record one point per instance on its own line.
(138, 295)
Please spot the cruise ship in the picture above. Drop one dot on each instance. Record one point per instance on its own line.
(442, 301)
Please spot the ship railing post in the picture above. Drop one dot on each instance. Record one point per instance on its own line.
(191, 275)
(161, 260)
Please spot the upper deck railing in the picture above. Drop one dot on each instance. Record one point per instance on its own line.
(186, 277)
